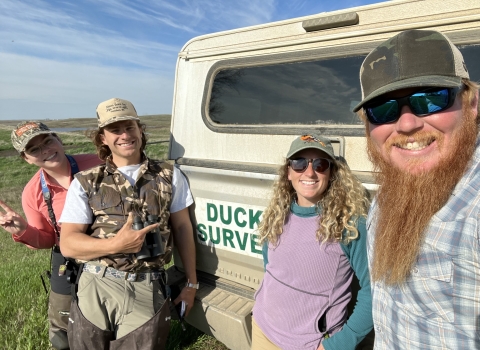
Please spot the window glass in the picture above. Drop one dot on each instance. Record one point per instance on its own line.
(321, 92)
(471, 55)
(314, 92)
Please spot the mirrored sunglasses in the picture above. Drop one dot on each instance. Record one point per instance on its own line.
(320, 165)
(421, 103)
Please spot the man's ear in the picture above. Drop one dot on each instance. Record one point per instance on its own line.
(474, 102)
(102, 138)
(474, 106)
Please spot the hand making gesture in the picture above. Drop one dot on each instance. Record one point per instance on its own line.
(11, 221)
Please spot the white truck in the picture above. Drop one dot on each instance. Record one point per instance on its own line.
(242, 96)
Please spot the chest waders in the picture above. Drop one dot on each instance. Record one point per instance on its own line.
(152, 335)
(63, 273)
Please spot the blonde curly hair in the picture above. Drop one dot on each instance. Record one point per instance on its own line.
(344, 201)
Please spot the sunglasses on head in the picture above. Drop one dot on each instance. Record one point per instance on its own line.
(421, 103)
(320, 165)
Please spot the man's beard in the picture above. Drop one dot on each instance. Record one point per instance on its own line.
(406, 202)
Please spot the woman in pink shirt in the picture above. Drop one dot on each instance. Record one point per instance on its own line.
(39, 146)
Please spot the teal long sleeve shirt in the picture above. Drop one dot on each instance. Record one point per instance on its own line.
(360, 322)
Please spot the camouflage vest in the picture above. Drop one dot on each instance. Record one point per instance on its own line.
(112, 198)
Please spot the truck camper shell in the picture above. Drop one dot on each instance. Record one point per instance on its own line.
(241, 97)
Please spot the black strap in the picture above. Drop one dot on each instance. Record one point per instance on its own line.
(74, 284)
(48, 201)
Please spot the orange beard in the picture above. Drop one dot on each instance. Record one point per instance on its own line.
(406, 202)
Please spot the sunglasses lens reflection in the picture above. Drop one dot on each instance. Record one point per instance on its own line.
(321, 165)
(299, 165)
(420, 103)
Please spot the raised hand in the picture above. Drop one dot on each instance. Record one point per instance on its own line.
(11, 221)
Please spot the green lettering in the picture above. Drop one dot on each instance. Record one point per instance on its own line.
(254, 219)
(254, 244)
(228, 237)
(212, 213)
(217, 229)
(240, 243)
(201, 234)
(228, 220)
(237, 221)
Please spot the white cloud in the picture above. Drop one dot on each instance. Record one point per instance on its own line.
(194, 16)
(37, 11)
(59, 58)
(41, 88)
(63, 37)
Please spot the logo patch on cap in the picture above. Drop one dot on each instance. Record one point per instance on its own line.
(116, 106)
(310, 138)
(24, 128)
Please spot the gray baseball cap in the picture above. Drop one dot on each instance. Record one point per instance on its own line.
(311, 141)
(413, 58)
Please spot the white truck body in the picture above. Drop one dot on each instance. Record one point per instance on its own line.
(242, 96)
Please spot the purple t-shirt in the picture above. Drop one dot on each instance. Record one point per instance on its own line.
(305, 282)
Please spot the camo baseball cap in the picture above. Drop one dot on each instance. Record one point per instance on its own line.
(25, 131)
(311, 141)
(413, 58)
(115, 110)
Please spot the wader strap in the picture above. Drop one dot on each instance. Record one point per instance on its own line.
(47, 197)
(74, 286)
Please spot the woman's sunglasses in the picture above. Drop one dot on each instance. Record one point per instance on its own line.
(320, 165)
(421, 103)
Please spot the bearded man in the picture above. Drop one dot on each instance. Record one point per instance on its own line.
(421, 115)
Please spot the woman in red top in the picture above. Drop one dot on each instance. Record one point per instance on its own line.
(39, 146)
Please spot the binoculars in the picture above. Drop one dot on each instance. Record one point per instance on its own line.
(153, 243)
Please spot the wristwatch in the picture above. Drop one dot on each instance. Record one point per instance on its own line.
(192, 285)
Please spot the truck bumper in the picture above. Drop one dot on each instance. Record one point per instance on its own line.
(223, 309)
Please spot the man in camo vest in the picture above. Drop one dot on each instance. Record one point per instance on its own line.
(117, 221)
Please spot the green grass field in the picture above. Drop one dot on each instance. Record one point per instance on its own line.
(23, 301)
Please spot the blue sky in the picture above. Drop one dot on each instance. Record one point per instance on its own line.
(60, 58)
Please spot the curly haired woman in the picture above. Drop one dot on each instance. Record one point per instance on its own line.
(314, 238)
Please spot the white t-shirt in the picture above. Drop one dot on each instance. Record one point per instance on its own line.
(78, 211)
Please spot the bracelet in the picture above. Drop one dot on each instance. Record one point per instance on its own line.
(192, 285)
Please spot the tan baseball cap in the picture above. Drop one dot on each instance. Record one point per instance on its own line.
(25, 131)
(115, 110)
